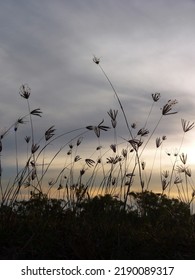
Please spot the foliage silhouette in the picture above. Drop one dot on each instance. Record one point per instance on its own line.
(155, 227)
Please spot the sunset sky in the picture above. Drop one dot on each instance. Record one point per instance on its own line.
(145, 46)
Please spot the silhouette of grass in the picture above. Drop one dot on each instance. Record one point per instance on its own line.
(98, 206)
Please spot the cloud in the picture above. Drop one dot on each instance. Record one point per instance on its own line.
(144, 47)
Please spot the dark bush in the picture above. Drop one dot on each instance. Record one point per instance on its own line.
(154, 227)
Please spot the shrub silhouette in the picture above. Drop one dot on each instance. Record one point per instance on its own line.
(155, 227)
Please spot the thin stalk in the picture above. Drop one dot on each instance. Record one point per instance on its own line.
(173, 168)
(149, 114)
(59, 136)
(31, 123)
(129, 186)
(151, 134)
(118, 99)
(16, 150)
(150, 176)
(187, 193)
(56, 154)
(140, 172)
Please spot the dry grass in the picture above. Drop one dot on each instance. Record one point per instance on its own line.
(105, 195)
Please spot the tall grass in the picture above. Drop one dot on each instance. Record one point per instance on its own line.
(66, 201)
(118, 169)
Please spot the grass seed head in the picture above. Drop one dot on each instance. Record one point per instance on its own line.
(25, 91)
(113, 115)
(113, 147)
(96, 60)
(79, 140)
(77, 158)
(158, 142)
(124, 153)
(165, 174)
(114, 160)
(27, 139)
(89, 162)
(34, 148)
(166, 110)
(164, 184)
(135, 143)
(177, 180)
(49, 133)
(183, 158)
(82, 172)
(143, 164)
(186, 125)
(133, 125)
(36, 112)
(143, 132)
(156, 96)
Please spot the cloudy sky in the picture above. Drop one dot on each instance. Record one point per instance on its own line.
(145, 46)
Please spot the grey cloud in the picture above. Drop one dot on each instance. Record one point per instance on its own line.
(144, 47)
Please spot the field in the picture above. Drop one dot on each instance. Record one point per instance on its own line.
(61, 205)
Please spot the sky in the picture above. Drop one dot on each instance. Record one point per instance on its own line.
(144, 46)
